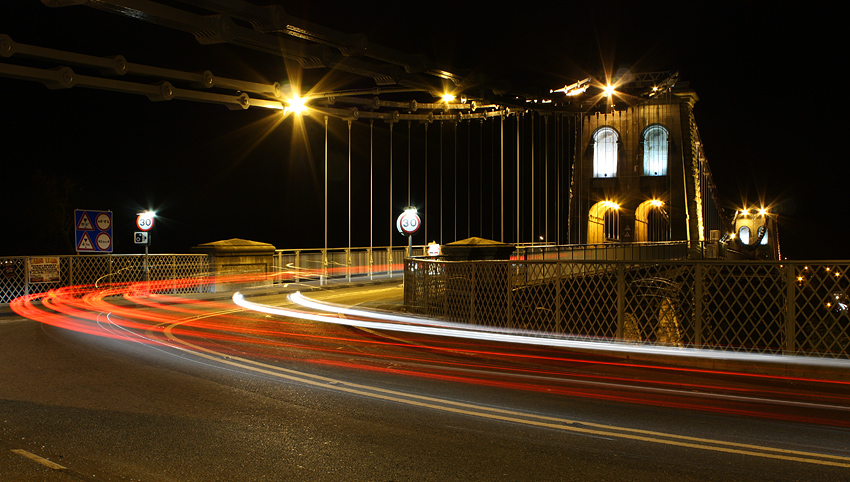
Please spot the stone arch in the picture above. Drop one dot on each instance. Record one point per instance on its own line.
(651, 222)
(603, 222)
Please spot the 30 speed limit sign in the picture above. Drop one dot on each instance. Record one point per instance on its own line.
(144, 221)
(408, 223)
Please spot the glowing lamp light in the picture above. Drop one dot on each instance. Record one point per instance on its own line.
(608, 90)
(448, 97)
(762, 211)
(611, 205)
(657, 203)
(147, 215)
(296, 105)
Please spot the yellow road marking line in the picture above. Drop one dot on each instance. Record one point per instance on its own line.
(41, 460)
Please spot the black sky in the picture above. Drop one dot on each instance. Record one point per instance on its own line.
(767, 74)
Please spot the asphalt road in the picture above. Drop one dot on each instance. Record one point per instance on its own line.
(206, 391)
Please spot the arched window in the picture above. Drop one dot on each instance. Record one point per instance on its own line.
(605, 152)
(744, 234)
(655, 151)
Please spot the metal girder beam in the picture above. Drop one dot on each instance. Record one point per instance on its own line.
(212, 29)
(118, 65)
(66, 78)
(396, 116)
(221, 28)
(275, 19)
(119, 69)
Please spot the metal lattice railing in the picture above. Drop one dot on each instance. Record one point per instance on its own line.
(307, 264)
(36, 274)
(758, 307)
(311, 263)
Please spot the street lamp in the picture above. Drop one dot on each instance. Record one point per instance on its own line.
(296, 105)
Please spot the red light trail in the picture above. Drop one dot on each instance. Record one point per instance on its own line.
(444, 353)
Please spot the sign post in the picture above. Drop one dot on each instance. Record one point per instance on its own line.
(144, 221)
(407, 224)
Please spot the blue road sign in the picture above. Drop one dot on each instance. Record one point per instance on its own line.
(93, 231)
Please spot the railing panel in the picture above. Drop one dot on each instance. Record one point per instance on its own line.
(735, 306)
(15, 279)
(744, 307)
(341, 262)
(822, 314)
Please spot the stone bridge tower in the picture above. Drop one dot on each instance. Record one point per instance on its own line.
(640, 174)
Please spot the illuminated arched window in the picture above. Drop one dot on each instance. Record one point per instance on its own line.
(605, 152)
(655, 151)
(744, 234)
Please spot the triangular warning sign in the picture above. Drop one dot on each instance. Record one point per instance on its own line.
(85, 243)
(85, 223)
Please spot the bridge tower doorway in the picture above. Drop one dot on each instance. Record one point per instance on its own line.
(603, 223)
(652, 223)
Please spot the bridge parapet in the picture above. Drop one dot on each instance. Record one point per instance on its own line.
(24, 275)
(237, 256)
(798, 308)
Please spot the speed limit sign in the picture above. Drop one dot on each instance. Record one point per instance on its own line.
(144, 221)
(408, 223)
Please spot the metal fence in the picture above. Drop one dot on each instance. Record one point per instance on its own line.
(761, 307)
(656, 250)
(24, 275)
(312, 263)
(309, 264)
(36, 274)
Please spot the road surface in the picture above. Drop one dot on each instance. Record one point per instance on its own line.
(164, 388)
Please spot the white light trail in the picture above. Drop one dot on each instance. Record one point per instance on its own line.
(433, 327)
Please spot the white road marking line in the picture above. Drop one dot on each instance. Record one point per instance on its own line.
(494, 413)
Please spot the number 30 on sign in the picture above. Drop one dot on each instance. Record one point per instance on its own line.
(144, 221)
(408, 223)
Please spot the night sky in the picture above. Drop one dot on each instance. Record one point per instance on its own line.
(769, 114)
